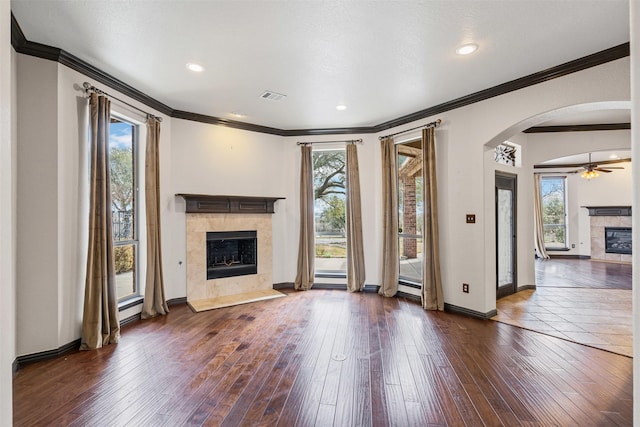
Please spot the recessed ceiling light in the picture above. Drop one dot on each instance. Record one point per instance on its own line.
(197, 68)
(467, 49)
(341, 107)
(613, 156)
(237, 115)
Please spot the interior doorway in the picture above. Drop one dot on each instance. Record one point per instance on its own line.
(506, 239)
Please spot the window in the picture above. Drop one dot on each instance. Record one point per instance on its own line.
(329, 168)
(554, 212)
(122, 159)
(410, 211)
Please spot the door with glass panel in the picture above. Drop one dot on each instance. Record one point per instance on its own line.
(505, 194)
(410, 211)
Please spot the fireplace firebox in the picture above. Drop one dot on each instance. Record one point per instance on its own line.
(617, 240)
(231, 253)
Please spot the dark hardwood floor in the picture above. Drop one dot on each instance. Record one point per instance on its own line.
(327, 358)
(582, 273)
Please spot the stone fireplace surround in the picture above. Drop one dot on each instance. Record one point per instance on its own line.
(607, 216)
(226, 213)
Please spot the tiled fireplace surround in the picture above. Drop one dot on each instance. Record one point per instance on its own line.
(227, 213)
(607, 216)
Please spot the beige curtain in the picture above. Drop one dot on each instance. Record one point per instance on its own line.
(306, 246)
(355, 250)
(432, 298)
(389, 261)
(100, 324)
(154, 299)
(538, 224)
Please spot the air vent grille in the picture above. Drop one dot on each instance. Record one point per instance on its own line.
(272, 96)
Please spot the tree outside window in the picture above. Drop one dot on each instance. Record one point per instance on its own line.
(554, 215)
(329, 167)
(122, 152)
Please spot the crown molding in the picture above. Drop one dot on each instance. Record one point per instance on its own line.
(579, 128)
(24, 46)
(39, 50)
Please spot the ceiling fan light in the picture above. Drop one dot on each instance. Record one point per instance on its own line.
(590, 174)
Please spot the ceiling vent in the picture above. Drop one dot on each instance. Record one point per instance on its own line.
(273, 96)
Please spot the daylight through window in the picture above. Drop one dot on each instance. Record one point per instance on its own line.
(410, 211)
(329, 178)
(554, 214)
(122, 158)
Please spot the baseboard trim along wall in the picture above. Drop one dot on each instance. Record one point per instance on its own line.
(44, 355)
(409, 296)
(74, 345)
(325, 286)
(461, 310)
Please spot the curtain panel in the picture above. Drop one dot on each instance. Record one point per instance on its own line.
(390, 261)
(431, 295)
(538, 223)
(100, 323)
(306, 246)
(355, 249)
(154, 299)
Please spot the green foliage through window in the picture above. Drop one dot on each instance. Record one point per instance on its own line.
(553, 193)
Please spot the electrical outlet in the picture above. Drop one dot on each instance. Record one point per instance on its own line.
(573, 246)
(471, 218)
(465, 288)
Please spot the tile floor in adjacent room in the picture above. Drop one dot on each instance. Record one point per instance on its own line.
(599, 318)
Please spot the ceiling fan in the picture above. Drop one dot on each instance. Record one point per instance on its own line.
(589, 169)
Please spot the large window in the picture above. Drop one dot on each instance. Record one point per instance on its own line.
(122, 159)
(410, 211)
(554, 212)
(329, 168)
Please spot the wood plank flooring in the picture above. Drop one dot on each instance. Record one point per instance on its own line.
(582, 273)
(327, 358)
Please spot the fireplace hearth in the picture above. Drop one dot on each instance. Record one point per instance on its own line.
(231, 253)
(617, 240)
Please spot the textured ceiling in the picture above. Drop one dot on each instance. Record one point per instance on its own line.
(382, 59)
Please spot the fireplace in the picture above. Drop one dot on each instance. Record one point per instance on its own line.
(231, 253)
(617, 240)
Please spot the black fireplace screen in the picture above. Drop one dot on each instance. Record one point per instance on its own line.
(231, 253)
(618, 240)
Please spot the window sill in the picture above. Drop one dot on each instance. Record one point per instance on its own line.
(130, 302)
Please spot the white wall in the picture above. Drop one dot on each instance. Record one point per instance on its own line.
(37, 208)
(7, 216)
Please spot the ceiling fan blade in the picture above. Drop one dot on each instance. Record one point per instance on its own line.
(602, 170)
(584, 165)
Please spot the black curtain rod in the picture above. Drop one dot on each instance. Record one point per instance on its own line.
(88, 87)
(348, 141)
(428, 125)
